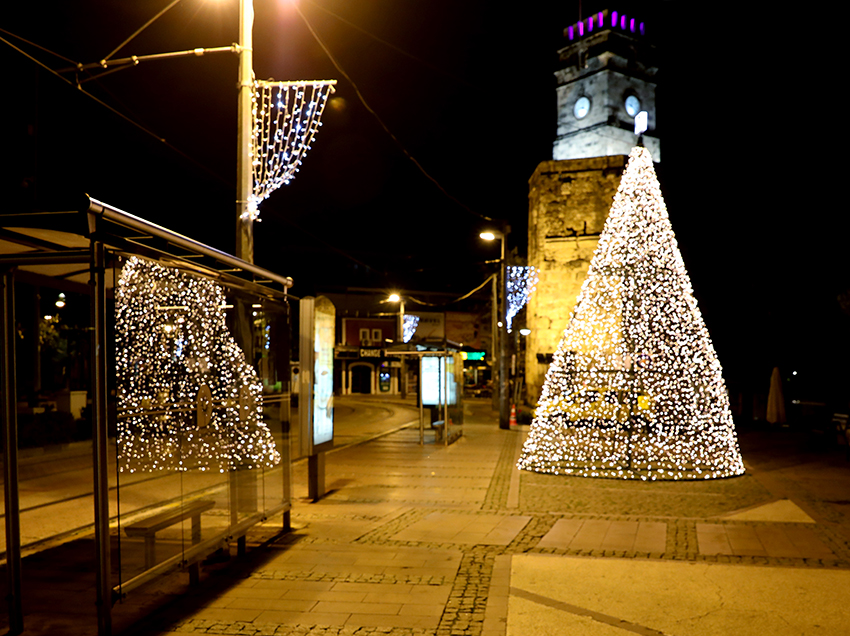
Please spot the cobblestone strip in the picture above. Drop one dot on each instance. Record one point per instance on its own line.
(682, 539)
(464, 612)
(242, 628)
(383, 533)
(497, 494)
(329, 577)
(527, 538)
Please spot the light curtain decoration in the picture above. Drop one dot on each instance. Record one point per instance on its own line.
(187, 399)
(521, 283)
(409, 325)
(287, 116)
(635, 390)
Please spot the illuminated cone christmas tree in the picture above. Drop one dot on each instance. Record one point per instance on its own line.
(635, 390)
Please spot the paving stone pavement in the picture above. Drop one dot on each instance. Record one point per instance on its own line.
(418, 540)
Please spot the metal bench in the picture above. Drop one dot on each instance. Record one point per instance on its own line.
(439, 428)
(148, 528)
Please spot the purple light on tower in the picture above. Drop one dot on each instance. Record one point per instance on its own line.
(581, 28)
(600, 19)
(642, 30)
(623, 22)
(614, 19)
(590, 24)
(570, 32)
(632, 25)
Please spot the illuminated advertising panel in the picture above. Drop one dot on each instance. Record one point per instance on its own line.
(315, 405)
(435, 377)
(323, 364)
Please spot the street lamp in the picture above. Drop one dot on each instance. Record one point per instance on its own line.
(395, 298)
(402, 384)
(498, 325)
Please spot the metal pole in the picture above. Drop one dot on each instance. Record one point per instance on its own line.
(8, 395)
(244, 178)
(244, 222)
(402, 389)
(100, 440)
(494, 343)
(421, 407)
(504, 415)
(445, 398)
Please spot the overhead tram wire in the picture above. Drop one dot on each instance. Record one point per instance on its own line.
(392, 46)
(142, 28)
(377, 117)
(111, 109)
(456, 300)
(150, 133)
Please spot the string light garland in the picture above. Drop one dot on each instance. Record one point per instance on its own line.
(187, 399)
(409, 325)
(635, 390)
(287, 116)
(521, 283)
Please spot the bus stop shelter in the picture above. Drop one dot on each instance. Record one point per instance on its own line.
(89, 245)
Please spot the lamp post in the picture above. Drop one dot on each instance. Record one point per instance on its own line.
(244, 176)
(395, 298)
(499, 327)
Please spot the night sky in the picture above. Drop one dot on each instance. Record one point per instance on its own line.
(467, 88)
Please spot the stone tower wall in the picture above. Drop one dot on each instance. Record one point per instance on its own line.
(569, 201)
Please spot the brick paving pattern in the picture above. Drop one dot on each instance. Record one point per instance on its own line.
(417, 540)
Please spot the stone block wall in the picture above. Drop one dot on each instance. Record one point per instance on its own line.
(569, 201)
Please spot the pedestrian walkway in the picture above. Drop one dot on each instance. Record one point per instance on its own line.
(452, 540)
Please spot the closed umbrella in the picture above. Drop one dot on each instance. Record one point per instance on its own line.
(775, 399)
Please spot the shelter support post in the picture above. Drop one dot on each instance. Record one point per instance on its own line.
(316, 476)
(8, 395)
(421, 407)
(100, 439)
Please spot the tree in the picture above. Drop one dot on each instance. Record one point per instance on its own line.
(635, 389)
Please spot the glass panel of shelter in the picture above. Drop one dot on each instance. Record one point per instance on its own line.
(203, 446)
(52, 343)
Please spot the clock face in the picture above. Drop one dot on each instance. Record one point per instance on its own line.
(582, 107)
(632, 105)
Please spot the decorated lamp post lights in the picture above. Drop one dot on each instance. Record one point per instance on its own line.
(635, 390)
(521, 283)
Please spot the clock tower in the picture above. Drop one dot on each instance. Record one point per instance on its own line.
(606, 76)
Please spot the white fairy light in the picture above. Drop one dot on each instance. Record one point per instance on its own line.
(635, 390)
(521, 283)
(410, 323)
(186, 397)
(287, 115)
